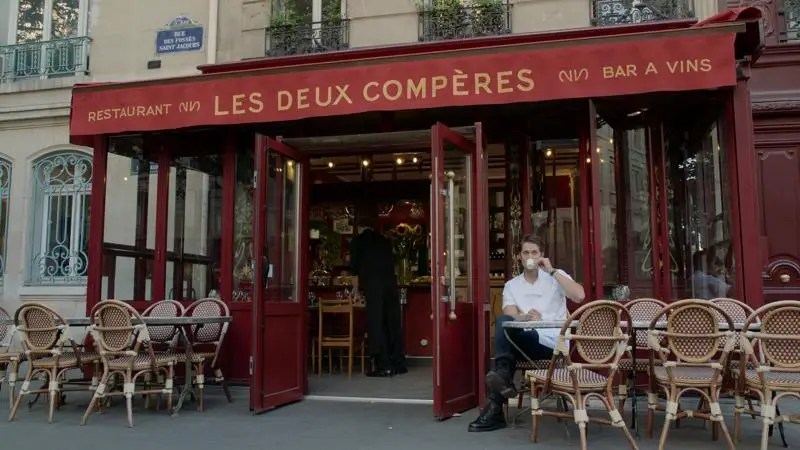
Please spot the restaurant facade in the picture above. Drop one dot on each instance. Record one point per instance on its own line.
(629, 149)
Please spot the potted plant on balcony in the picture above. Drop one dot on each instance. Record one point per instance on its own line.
(444, 19)
(332, 30)
(489, 17)
(285, 33)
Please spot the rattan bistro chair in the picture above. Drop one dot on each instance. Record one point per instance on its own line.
(644, 310)
(774, 351)
(124, 345)
(600, 342)
(9, 360)
(693, 338)
(49, 350)
(163, 337)
(206, 341)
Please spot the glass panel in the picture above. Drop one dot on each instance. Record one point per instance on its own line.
(5, 190)
(130, 217)
(63, 183)
(556, 200)
(457, 224)
(65, 19)
(698, 196)
(194, 227)
(243, 263)
(625, 211)
(30, 21)
(283, 207)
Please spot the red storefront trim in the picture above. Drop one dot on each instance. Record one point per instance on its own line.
(700, 59)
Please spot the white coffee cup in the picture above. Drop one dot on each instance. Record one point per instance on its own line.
(531, 263)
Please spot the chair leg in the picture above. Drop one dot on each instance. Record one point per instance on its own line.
(201, 381)
(617, 415)
(535, 413)
(22, 392)
(53, 390)
(225, 388)
(170, 381)
(127, 390)
(737, 418)
(96, 397)
(668, 417)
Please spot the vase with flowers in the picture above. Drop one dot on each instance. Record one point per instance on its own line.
(406, 240)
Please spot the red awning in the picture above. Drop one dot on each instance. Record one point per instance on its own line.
(613, 64)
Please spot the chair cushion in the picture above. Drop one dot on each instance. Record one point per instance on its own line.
(686, 376)
(197, 357)
(140, 362)
(561, 378)
(65, 360)
(775, 380)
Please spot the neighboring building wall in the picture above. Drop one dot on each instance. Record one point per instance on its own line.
(775, 88)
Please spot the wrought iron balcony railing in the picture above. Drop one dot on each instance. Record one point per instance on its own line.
(284, 40)
(618, 12)
(45, 59)
(459, 21)
(791, 15)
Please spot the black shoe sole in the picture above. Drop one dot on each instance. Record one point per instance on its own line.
(496, 426)
(497, 384)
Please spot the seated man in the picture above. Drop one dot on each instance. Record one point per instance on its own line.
(539, 293)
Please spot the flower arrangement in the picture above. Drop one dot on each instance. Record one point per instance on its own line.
(405, 240)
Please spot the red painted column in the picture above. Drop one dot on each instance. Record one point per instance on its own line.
(162, 220)
(228, 212)
(751, 258)
(94, 282)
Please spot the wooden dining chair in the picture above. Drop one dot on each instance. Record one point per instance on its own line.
(329, 311)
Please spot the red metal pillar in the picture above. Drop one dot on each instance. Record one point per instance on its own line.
(97, 205)
(159, 283)
(748, 242)
(228, 211)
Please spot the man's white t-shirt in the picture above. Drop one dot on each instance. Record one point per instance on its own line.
(545, 295)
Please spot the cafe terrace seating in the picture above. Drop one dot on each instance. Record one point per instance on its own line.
(9, 360)
(49, 350)
(125, 351)
(600, 343)
(774, 352)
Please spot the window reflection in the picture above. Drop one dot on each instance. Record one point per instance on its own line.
(698, 195)
(130, 215)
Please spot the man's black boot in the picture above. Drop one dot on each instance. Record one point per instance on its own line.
(491, 417)
(501, 379)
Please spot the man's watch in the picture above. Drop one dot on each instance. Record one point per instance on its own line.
(553, 272)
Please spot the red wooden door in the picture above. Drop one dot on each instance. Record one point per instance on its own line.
(279, 321)
(459, 263)
(779, 176)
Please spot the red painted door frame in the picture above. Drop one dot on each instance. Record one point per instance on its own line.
(459, 353)
(278, 374)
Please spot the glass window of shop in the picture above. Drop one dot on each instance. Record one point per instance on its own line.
(194, 224)
(699, 202)
(130, 214)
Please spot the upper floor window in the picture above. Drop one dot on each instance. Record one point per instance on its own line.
(47, 38)
(617, 12)
(457, 19)
(307, 26)
(5, 190)
(62, 189)
(791, 19)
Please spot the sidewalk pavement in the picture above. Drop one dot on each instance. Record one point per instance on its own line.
(320, 424)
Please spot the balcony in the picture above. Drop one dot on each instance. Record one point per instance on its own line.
(449, 19)
(45, 59)
(619, 12)
(299, 39)
(791, 12)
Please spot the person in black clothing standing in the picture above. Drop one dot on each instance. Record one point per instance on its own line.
(372, 261)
